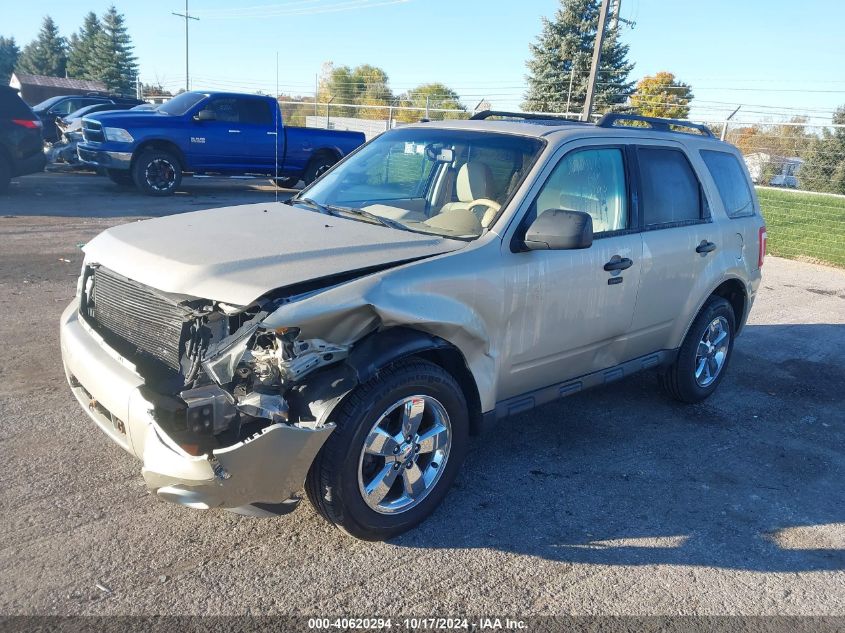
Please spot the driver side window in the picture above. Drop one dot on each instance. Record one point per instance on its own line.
(592, 181)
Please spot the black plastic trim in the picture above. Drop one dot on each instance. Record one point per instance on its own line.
(663, 125)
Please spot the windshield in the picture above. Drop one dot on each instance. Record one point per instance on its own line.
(45, 105)
(180, 104)
(448, 182)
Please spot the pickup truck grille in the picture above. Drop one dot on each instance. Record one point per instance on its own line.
(141, 324)
(92, 131)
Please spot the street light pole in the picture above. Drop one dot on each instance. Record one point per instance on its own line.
(187, 17)
(594, 69)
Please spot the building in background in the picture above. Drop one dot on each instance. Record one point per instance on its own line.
(36, 88)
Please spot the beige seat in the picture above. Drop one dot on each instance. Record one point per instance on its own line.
(473, 186)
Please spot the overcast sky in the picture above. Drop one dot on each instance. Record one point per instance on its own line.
(776, 57)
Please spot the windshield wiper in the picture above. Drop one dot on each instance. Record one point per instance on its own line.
(388, 222)
(309, 202)
(338, 211)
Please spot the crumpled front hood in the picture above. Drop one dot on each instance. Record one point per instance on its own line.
(236, 254)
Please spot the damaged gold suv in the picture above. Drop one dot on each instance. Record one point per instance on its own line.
(443, 276)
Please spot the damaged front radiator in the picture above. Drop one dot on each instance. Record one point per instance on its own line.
(150, 327)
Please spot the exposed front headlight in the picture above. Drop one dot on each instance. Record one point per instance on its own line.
(118, 135)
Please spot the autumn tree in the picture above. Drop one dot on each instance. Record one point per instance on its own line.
(662, 95)
(824, 161)
(363, 85)
(9, 54)
(436, 96)
(562, 56)
(46, 54)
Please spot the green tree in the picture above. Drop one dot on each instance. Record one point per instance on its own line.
(662, 95)
(564, 51)
(437, 96)
(80, 62)
(46, 54)
(362, 85)
(113, 61)
(824, 162)
(9, 54)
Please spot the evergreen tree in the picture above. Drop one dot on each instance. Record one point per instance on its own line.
(80, 63)
(564, 50)
(46, 54)
(113, 61)
(9, 54)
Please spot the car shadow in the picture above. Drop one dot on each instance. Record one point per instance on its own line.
(750, 479)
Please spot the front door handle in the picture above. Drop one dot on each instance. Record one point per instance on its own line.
(234, 131)
(618, 263)
(705, 247)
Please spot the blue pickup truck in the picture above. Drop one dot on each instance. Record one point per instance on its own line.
(208, 133)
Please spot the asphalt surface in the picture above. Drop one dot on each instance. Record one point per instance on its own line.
(615, 501)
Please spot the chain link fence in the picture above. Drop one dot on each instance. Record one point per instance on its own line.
(798, 168)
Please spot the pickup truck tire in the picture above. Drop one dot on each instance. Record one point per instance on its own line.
(122, 177)
(157, 173)
(410, 396)
(286, 183)
(704, 355)
(319, 165)
(5, 173)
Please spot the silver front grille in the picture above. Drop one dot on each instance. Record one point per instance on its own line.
(92, 131)
(149, 326)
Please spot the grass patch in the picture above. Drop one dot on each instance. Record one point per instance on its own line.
(804, 225)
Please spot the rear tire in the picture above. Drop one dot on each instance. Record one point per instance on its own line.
(319, 165)
(704, 355)
(414, 475)
(286, 183)
(157, 173)
(5, 173)
(122, 177)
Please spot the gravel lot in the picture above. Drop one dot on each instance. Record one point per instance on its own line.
(616, 501)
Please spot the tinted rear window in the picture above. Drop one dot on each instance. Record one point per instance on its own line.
(13, 107)
(256, 111)
(670, 188)
(731, 182)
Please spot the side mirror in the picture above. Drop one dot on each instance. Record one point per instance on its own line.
(560, 230)
(205, 115)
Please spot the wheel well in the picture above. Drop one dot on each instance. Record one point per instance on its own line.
(452, 361)
(734, 291)
(162, 146)
(325, 151)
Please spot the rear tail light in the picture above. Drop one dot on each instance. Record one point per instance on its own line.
(27, 123)
(762, 246)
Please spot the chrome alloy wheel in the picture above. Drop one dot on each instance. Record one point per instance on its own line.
(404, 454)
(712, 351)
(160, 174)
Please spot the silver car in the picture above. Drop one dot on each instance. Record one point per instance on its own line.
(442, 277)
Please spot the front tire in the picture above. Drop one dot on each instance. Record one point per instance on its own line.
(157, 173)
(704, 354)
(399, 443)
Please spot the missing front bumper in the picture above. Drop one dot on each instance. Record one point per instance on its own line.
(266, 469)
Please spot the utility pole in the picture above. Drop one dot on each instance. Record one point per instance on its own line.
(569, 94)
(594, 69)
(617, 7)
(187, 17)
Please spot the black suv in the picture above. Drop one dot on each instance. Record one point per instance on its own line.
(57, 107)
(21, 143)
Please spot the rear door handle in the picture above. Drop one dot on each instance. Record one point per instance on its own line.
(234, 131)
(705, 247)
(617, 263)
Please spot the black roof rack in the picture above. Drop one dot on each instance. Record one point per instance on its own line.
(528, 116)
(656, 123)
